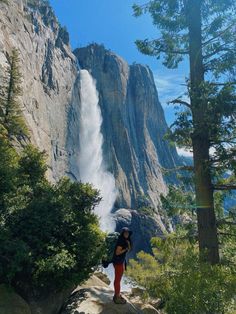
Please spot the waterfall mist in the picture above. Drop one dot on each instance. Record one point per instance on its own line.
(91, 163)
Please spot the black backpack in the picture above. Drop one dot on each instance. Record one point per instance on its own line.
(110, 245)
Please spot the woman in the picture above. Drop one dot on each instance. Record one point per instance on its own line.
(123, 246)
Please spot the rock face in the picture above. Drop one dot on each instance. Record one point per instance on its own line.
(95, 297)
(12, 303)
(133, 125)
(96, 300)
(133, 120)
(144, 226)
(49, 303)
(50, 99)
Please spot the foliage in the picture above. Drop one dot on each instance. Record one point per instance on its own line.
(219, 65)
(203, 32)
(178, 201)
(149, 211)
(32, 166)
(8, 168)
(180, 205)
(170, 17)
(11, 119)
(49, 235)
(175, 273)
(227, 236)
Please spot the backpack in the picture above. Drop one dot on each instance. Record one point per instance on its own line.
(110, 245)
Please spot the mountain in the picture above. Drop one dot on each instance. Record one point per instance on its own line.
(133, 124)
(133, 127)
(50, 89)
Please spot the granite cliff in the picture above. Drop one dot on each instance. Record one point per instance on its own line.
(50, 89)
(133, 120)
(133, 126)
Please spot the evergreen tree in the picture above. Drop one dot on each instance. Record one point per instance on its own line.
(49, 235)
(8, 169)
(205, 33)
(11, 119)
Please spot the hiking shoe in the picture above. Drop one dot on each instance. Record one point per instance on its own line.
(119, 300)
(122, 297)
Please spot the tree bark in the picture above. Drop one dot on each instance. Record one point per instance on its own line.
(207, 229)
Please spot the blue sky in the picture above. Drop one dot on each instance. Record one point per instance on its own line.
(111, 22)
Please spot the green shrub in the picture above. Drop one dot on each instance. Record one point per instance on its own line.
(8, 167)
(175, 274)
(49, 235)
(149, 211)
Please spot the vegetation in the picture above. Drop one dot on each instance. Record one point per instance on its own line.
(46, 230)
(149, 211)
(187, 286)
(180, 205)
(178, 201)
(175, 271)
(49, 234)
(203, 32)
(11, 119)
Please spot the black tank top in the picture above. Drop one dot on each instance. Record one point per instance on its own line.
(120, 259)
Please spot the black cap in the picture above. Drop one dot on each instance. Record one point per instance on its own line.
(126, 229)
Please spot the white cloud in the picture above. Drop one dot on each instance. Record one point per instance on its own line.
(184, 152)
(187, 153)
(212, 151)
(169, 87)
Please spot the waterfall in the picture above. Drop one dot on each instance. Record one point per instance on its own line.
(91, 163)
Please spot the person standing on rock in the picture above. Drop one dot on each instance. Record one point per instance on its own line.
(123, 246)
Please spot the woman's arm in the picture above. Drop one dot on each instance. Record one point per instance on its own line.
(120, 250)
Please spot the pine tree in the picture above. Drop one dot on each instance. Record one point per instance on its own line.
(11, 119)
(205, 33)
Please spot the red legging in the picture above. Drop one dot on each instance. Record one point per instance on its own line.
(119, 270)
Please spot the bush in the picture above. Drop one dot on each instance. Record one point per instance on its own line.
(49, 235)
(149, 211)
(8, 167)
(175, 274)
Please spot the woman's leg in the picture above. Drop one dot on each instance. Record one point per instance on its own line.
(119, 270)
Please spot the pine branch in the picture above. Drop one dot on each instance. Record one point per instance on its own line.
(223, 84)
(181, 102)
(177, 52)
(222, 48)
(227, 234)
(225, 222)
(161, 48)
(216, 37)
(230, 140)
(224, 187)
(144, 6)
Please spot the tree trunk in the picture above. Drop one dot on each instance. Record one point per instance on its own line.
(207, 230)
